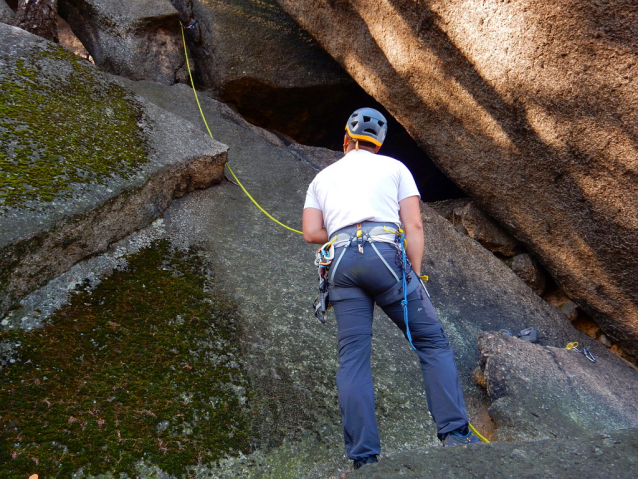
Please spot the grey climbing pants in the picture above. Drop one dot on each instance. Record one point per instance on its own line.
(358, 282)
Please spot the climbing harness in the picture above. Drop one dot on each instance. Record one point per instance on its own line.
(325, 256)
(586, 351)
(190, 75)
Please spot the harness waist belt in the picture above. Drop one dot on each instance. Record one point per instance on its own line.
(372, 231)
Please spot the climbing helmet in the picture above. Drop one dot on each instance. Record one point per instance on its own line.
(367, 124)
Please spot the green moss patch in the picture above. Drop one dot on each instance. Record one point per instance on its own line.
(144, 367)
(62, 122)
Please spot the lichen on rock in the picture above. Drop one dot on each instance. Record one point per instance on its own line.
(145, 367)
(61, 123)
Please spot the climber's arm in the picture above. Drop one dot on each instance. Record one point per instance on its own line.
(312, 226)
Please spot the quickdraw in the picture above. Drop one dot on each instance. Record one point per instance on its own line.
(586, 351)
(323, 260)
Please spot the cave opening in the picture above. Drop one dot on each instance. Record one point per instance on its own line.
(316, 116)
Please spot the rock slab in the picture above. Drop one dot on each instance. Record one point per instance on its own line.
(530, 107)
(117, 161)
(542, 392)
(611, 456)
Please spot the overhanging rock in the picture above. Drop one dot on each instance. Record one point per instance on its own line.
(528, 106)
(84, 162)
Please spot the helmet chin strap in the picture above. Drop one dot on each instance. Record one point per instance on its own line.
(356, 145)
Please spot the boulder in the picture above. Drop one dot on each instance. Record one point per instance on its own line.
(84, 161)
(6, 14)
(542, 392)
(599, 455)
(528, 269)
(530, 108)
(140, 39)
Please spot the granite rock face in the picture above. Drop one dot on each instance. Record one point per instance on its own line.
(530, 108)
(610, 455)
(84, 162)
(6, 14)
(290, 357)
(541, 392)
(255, 57)
(140, 39)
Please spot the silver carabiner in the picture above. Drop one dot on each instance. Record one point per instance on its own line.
(588, 354)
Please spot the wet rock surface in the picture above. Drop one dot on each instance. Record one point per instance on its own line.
(611, 455)
(540, 392)
(528, 107)
(140, 39)
(62, 201)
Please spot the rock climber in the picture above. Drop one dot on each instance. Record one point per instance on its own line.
(360, 202)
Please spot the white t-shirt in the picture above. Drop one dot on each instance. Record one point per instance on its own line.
(360, 187)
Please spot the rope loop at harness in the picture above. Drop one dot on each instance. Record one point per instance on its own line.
(400, 240)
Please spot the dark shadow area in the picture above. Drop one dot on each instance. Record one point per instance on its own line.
(317, 116)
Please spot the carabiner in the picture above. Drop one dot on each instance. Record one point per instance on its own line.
(573, 345)
(325, 254)
(588, 354)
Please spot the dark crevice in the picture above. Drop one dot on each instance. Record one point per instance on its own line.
(316, 116)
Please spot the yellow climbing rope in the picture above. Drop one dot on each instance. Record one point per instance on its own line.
(478, 434)
(188, 66)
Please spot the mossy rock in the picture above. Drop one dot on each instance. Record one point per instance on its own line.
(146, 367)
(83, 161)
(62, 122)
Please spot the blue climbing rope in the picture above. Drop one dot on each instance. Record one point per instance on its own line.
(404, 285)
